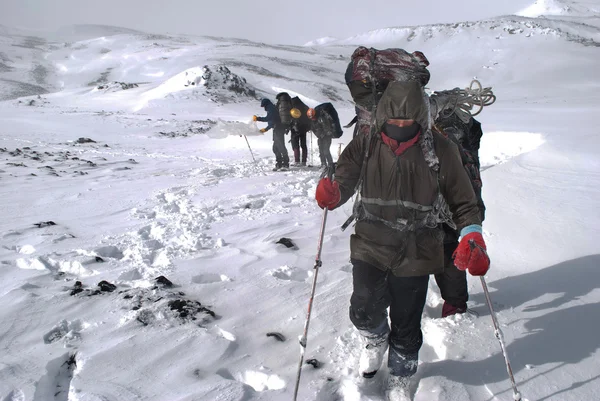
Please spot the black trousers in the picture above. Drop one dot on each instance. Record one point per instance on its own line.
(281, 154)
(452, 282)
(299, 142)
(376, 290)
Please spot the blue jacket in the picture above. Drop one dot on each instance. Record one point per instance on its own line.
(272, 116)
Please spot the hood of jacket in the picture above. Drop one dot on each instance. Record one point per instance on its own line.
(265, 103)
(406, 100)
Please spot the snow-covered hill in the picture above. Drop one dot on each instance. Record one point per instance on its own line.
(110, 175)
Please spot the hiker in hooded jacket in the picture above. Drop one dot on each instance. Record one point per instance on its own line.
(273, 120)
(299, 128)
(413, 182)
(452, 281)
(325, 124)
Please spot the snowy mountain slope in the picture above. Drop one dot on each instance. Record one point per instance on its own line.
(154, 195)
(23, 70)
(562, 8)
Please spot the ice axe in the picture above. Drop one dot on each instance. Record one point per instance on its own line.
(328, 172)
(497, 331)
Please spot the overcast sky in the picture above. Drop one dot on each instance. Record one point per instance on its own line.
(271, 21)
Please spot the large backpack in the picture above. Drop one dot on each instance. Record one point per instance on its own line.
(302, 123)
(370, 71)
(328, 108)
(467, 137)
(284, 106)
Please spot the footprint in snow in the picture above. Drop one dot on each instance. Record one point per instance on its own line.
(261, 381)
(15, 395)
(210, 278)
(65, 330)
(291, 274)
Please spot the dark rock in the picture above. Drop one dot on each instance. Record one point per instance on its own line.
(85, 140)
(315, 363)
(106, 286)
(189, 309)
(287, 242)
(45, 224)
(164, 281)
(77, 288)
(278, 336)
(145, 317)
(99, 259)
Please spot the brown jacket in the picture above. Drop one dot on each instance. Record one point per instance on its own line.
(393, 182)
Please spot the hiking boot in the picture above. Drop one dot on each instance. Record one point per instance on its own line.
(277, 167)
(400, 364)
(398, 388)
(372, 354)
(303, 164)
(449, 310)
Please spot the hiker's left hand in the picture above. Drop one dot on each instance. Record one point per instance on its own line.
(263, 130)
(471, 255)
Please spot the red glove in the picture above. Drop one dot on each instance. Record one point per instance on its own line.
(471, 255)
(328, 194)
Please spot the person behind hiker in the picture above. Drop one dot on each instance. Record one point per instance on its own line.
(413, 180)
(300, 126)
(325, 124)
(272, 119)
(452, 281)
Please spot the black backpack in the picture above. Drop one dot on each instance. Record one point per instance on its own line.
(284, 106)
(467, 136)
(332, 112)
(302, 123)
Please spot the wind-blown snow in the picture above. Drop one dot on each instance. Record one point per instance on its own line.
(560, 8)
(544, 7)
(126, 175)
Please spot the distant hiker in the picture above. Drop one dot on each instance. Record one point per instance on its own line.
(452, 281)
(411, 182)
(300, 126)
(273, 121)
(325, 124)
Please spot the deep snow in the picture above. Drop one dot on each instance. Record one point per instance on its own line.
(158, 194)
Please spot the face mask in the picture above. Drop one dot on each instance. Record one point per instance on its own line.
(401, 134)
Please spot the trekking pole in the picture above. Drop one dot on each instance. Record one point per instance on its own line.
(318, 263)
(311, 149)
(248, 143)
(500, 337)
(497, 331)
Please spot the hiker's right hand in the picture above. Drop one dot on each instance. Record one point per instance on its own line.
(254, 118)
(263, 130)
(328, 194)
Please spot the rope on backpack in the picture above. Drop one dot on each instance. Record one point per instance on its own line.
(461, 101)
